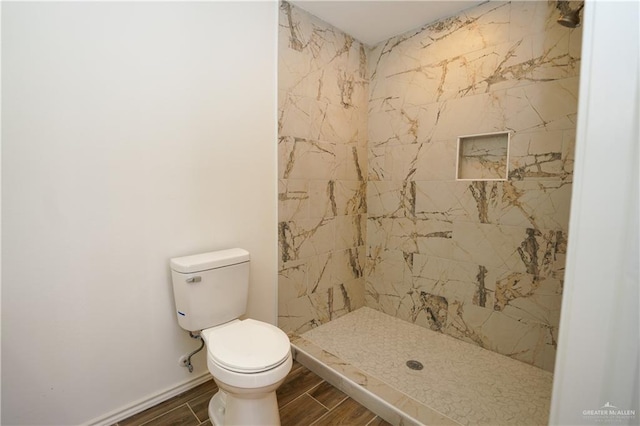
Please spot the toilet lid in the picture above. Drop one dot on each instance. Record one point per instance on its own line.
(248, 346)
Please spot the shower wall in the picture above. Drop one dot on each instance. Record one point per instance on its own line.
(370, 210)
(482, 261)
(322, 158)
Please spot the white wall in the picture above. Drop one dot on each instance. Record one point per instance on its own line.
(132, 133)
(598, 353)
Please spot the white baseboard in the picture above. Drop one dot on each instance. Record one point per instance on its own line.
(142, 404)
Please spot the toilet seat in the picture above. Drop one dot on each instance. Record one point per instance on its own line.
(247, 346)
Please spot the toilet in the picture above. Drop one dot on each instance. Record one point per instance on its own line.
(248, 359)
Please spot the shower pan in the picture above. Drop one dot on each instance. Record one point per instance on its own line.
(364, 353)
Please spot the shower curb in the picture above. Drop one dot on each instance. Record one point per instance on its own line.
(392, 405)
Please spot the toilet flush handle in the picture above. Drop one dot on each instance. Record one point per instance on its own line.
(195, 279)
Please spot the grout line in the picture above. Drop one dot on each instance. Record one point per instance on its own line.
(295, 399)
(320, 418)
(160, 415)
(373, 419)
(194, 414)
(200, 396)
(305, 391)
(329, 409)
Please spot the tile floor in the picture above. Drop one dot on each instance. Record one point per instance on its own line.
(304, 400)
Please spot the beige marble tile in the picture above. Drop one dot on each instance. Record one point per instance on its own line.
(376, 159)
(306, 159)
(513, 248)
(475, 114)
(299, 116)
(436, 161)
(401, 162)
(525, 296)
(386, 198)
(387, 268)
(293, 278)
(532, 17)
(434, 237)
(305, 238)
(319, 273)
(392, 126)
(321, 198)
(351, 162)
(440, 200)
(348, 265)
(531, 204)
(297, 315)
(335, 124)
(456, 281)
(544, 106)
(530, 342)
(537, 155)
(293, 199)
(392, 233)
(350, 197)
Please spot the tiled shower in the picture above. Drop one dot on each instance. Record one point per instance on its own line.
(372, 209)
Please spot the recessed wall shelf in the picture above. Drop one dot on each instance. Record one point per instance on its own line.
(483, 157)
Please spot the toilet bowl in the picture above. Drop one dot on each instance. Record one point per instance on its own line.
(248, 360)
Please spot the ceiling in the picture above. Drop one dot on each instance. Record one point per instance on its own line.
(372, 21)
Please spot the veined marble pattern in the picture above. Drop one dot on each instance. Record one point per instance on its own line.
(370, 211)
(460, 383)
(494, 46)
(322, 167)
(526, 204)
(480, 260)
(543, 108)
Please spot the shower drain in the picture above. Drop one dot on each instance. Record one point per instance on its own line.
(414, 365)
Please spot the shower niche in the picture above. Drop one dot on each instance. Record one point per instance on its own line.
(483, 157)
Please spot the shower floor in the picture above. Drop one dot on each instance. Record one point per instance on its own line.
(365, 352)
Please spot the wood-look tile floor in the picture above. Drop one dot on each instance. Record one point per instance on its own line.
(304, 399)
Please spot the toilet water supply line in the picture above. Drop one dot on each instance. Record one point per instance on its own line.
(187, 359)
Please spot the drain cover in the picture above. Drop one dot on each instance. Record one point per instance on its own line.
(414, 365)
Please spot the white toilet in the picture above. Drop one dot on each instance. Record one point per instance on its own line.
(248, 359)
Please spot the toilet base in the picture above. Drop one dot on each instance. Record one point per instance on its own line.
(225, 409)
(251, 399)
(216, 408)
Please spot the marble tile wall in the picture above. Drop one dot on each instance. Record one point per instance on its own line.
(370, 211)
(482, 261)
(322, 155)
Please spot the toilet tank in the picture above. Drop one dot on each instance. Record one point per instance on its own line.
(210, 288)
